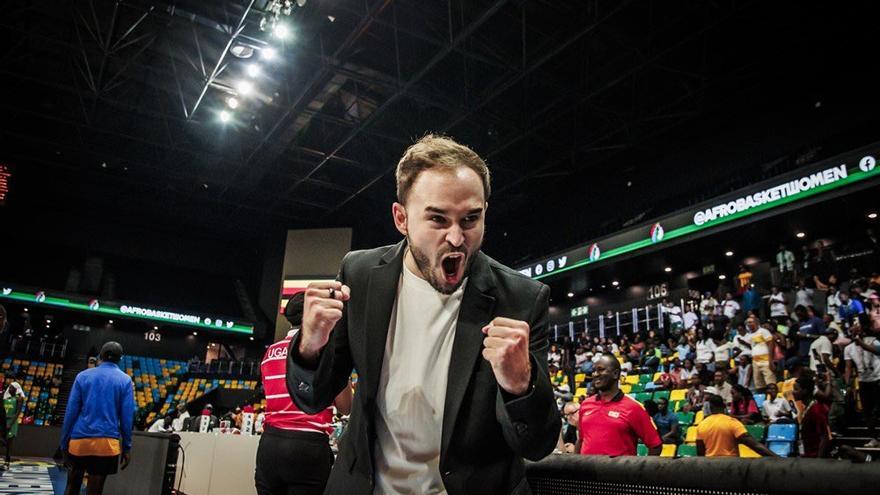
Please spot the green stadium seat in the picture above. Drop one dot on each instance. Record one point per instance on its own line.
(756, 431)
(685, 419)
(661, 394)
(685, 450)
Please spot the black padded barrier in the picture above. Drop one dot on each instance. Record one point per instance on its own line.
(602, 475)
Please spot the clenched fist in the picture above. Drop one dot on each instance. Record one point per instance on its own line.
(322, 308)
(507, 350)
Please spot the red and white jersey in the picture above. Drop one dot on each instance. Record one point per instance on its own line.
(281, 412)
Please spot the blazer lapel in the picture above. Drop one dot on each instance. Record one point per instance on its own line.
(476, 310)
(381, 294)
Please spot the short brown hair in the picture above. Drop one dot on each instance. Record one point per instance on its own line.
(436, 151)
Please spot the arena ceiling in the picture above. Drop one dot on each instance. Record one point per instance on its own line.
(592, 114)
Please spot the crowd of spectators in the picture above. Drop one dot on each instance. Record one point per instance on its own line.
(805, 353)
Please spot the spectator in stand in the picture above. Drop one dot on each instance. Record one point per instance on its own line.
(690, 317)
(568, 436)
(814, 430)
(696, 394)
(803, 296)
(805, 264)
(162, 425)
(13, 402)
(719, 435)
(862, 354)
(722, 352)
(821, 350)
(849, 310)
(96, 437)
(706, 353)
(744, 280)
(778, 305)
(744, 375)
(730, 308)
(776, 408)
(685, 349)
(650, 357)
(672, 378)
(182, 415)
(832, 302)
(873, 311)
(612, 423)
(823, 266)
(294, 453)
(554, 357)
(743, 407)
(760, 344)
(723, 388)
(626, 366)
(667, 423)
(785, 263)
(707, 308)
(687, 372)
(810, 327)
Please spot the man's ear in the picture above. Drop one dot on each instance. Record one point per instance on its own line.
(398, 212)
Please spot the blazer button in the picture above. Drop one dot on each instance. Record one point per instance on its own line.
(447, 473)
(522, 428)
(303, 387)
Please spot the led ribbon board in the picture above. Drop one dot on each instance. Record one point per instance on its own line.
(37, 297)
(807, 182)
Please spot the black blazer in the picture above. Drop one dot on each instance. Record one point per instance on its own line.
(486, 433)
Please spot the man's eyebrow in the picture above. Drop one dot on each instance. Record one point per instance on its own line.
(440, 211)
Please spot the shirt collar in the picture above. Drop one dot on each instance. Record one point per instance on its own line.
(108, 364)
(617, 398)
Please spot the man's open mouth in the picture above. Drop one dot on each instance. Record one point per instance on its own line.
(453, 267)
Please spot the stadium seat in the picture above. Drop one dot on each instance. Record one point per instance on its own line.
(637, 388)
(626, 388)
(581, 392)
(677, 394)
(668, 450)
(699, 417)
(747, 452)
(782, 432)
(781, 448)
(691, 435)
(646, 378)
(685, 419)
(759, 401)
(632, 379)
(650, 386)
(756, 431)
(579, 378)
(685, 450)
(661, 394)
(643, 396)
(656, 376)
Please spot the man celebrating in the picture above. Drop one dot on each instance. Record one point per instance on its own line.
(450, 346)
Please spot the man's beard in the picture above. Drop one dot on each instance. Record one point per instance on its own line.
(423, 263)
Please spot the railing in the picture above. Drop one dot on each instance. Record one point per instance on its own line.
(570, 474)
(39, 349)
(612, 325)
(222, 367)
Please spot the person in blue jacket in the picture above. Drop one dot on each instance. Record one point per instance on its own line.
(96, 436)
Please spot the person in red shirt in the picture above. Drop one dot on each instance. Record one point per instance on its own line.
(815, 433)
(294, 454)
(610, 422)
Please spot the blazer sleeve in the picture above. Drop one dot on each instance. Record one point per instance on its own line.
(313, 390)
(531, 423)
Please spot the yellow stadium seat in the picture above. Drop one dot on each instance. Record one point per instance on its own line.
(747, 452)
(656, 376)
(698, 418)
(691, 435)
(578, 378)
(668, 450)
(632, 379)
(626, 388)
(677, 394)
(580, 392)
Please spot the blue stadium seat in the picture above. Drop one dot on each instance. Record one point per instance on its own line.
(782, 432)
(781, 448)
